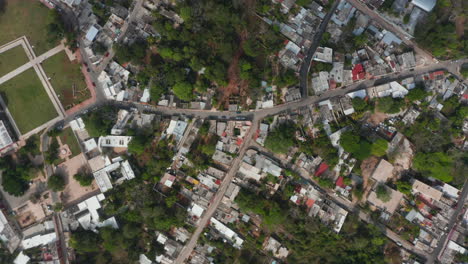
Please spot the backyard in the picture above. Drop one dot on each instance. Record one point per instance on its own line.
(12, 59)
(27, 101)
(67, 79)
(26, 18)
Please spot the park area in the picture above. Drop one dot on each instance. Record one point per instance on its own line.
(67, 79)
(27, 101)
(26, 18)
(12, 59)
(67, 137)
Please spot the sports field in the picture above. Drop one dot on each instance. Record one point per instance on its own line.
(12, 59)
(26, 18)
(67, 79)
(27, 101)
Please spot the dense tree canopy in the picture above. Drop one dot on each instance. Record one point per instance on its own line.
(437, 165)
(383, 193)
(56, 182)
(281, 138)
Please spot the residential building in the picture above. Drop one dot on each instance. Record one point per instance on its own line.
(323, 54)
(383, 172)
(391, 205)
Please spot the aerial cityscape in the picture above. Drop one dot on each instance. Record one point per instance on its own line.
(233, 131)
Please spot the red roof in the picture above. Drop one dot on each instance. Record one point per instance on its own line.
(239, 141)
(340, 182)
(218, 182)
(358, 72)
(321, 169)
(433, 75)
(310, 202)
(332, 84)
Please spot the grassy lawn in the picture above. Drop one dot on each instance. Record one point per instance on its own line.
(67, 137)
(26, 18)
(27, 101)
(12, 59)
(67, 79)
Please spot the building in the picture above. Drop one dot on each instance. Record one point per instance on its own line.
(111, 173)
(227, 233)
(323, 54)
(276, 248)
(177, 129)
(426, 5)
(390, 206)
(383, 172)
(114, 141)
(5, 139)
(92, 33)
(320, 82)
(425, 191)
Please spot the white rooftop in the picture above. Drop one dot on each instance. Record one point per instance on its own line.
(5, 138)
(21, 259)
(92, 32)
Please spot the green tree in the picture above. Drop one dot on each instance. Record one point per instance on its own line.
(417, 94)
(85, 241)
(326, 183)
(359, 104)
(183, 90)
(56, 182)
(85, 179)
(354, 144)
(13, 183)
(280, 139)
(379, 147)
(437, 165)
(404, 187)
(383, 193)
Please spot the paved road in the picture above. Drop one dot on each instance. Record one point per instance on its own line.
(187, 250)
(305, 67)
(451, 225)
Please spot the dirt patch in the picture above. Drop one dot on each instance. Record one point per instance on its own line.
(74, 191)
(377, 118)
(233, 74)
(367, 167)
(460, 26)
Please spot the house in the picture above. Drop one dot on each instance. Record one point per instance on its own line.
(383, 172)
(358, 72)
(21, 259)
(389, 206)
(323, 54)
(222, 157)
(227, 233)
(8, 235)
(425, 191)
(262, 134)
(77, 124)
(426, 5)
(275, 247)
(359, 93)
(177, 129)
(406, 60)
(320, 82)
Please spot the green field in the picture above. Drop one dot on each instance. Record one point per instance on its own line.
(67, 79)
(26, 18)
(12, 59)
(27, 101)
(67, 137)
